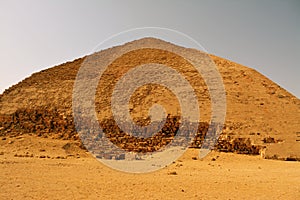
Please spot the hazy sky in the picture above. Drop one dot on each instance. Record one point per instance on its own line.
(262, 34)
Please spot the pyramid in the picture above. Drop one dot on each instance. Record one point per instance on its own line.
(261, 117)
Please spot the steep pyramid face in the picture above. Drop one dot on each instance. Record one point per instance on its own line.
(259, 113)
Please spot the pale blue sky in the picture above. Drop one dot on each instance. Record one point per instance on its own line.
(264, 35)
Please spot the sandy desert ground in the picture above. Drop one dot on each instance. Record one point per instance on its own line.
(40, 168)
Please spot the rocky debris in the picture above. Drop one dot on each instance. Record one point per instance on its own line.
(278, 157)
(42, 122)
(60, 157)
(292, 159)
(238, 145)
(141, 145)
(27, 155)
(179, 165)
(214, 159)
(172, 173)
(269, 140)
(51, 123)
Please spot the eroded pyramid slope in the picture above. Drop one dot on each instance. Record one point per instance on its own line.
(260, 114)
